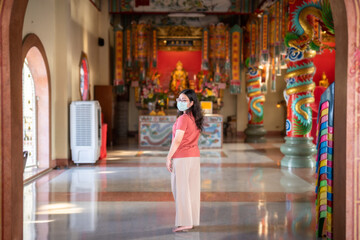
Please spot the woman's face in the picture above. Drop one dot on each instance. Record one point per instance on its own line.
(184, 98)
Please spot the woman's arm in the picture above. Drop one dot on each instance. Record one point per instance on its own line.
(179, 134)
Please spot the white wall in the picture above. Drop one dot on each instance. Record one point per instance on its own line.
(66, 28)
(274, 118)
(40, 20)
(241, 106)
(87, 25)
(230, 103)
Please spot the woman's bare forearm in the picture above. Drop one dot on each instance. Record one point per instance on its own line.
(174, 146)
(175, 143)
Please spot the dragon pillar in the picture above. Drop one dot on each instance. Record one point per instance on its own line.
(299, 149)
(302, 44)
(255, 131)
(310, 21)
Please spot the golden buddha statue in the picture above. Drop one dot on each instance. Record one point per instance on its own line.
(324, 82)
(179, 78)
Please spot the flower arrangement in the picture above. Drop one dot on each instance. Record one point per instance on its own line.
(208, 90)
(148, 95)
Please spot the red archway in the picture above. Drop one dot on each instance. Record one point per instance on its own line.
(340, 14)
(12, 18)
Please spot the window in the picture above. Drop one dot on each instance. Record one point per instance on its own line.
(29, 116)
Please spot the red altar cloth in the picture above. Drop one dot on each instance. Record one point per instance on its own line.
(103, 141)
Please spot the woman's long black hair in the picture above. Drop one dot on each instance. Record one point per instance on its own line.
(195, 109)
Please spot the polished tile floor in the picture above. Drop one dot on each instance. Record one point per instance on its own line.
(245, 195)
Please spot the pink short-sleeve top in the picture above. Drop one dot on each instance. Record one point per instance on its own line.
(189, 144)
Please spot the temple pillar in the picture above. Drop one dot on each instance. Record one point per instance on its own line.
(255, 132)
(298, 148)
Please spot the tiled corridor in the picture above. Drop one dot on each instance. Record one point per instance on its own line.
(245, 195)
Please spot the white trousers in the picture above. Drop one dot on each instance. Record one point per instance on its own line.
(185, 186)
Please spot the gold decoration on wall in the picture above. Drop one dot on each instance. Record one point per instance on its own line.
(179, 32)
(179, 38)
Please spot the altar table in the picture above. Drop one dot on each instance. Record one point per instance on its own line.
(155, 132)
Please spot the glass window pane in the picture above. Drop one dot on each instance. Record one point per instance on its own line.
(29, 116)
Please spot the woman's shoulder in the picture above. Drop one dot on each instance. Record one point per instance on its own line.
(184, 117)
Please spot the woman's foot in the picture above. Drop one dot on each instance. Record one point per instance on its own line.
(182, 229)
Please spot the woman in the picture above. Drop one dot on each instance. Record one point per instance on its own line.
(183, 161)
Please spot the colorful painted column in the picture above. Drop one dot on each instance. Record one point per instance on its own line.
(255, 132)
(298, 148)
(302, 46)
(324, 164)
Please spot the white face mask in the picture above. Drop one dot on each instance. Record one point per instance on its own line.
(182, 106)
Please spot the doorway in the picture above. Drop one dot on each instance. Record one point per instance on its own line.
(36, 105)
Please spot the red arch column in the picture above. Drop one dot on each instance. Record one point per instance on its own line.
(12, 14)
(346, 14)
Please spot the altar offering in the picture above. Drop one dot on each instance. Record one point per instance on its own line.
(207, 107)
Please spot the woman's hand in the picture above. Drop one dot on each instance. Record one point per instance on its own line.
(168, 164)
(179, 134)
